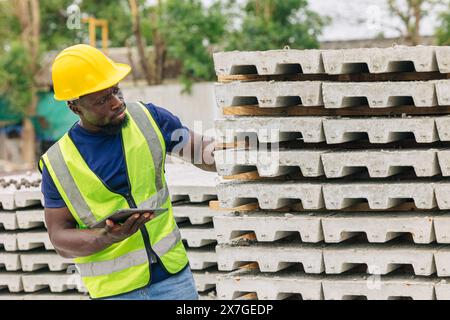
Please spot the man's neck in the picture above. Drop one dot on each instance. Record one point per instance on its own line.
(89, 127)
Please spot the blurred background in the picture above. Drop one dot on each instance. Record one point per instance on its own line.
(169, 44)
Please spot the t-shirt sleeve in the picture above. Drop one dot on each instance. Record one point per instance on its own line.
(173, 131)
(52, 197)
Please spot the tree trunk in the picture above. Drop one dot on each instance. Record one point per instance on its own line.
(131, 61)
(139, 41)
(411, 18)
(159, 45)
(267, 10)
(160, 56)
(417, 9)
(29, 17)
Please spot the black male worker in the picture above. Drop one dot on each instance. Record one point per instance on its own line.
(113, 158)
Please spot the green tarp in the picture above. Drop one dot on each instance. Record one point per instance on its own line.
(52, 121)
(7, 114)
(57, 115)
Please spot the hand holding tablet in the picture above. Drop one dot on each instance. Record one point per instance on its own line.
(122, 215)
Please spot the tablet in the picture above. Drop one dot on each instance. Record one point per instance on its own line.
(120, 216)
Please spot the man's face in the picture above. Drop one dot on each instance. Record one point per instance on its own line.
(104, 110)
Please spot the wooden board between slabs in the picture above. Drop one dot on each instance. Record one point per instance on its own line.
(214, 205)
(357, 77)
(357, 111)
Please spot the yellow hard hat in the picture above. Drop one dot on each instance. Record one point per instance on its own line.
(81, 69)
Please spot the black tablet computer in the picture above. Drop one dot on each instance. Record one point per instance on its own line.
(120, 216)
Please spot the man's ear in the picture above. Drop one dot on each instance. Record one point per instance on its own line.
(74, 107)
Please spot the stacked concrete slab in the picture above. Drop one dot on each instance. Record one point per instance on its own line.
(191, 190)
(335, 169)
(30, 269)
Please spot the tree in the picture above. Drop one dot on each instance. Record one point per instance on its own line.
(140, 43)
(273, 24)
(411, 14)
(55, 35)
(189, 30)
(118, 15)
(159, 43)
(16, 78)
(19, 63)
(28, 13)
(443, 31)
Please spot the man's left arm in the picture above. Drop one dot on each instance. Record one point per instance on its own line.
(183, 142)
(199, 151)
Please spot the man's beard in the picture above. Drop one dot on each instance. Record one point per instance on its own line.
(114, 129)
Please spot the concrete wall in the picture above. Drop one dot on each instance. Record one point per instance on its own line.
(191, 108)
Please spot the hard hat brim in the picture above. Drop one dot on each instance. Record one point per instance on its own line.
(122, 71)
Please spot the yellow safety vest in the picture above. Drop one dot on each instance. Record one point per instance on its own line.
(123, 266)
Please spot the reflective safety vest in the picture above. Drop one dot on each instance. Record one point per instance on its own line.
(123, 266)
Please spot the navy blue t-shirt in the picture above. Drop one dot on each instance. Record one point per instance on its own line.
(103, 154)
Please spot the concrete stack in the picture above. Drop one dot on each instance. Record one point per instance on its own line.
(335, 167)
(191, 190)
(30, 269)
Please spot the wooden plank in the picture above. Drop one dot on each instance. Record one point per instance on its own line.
(364, 145)
(246, 176)
(248, 296)
(399, 76)
(352, 145)
(232, 145)
(255, 110)
(215, 205)
(250, 266)
(278, 77)
(251, 236)
(357, 77)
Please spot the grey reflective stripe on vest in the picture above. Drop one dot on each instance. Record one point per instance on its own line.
(56, 159)
(167, 243)
(154, 145)
(126, 261)
(156, 201)
(129, 260)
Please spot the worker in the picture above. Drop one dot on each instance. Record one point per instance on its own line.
(113, 158)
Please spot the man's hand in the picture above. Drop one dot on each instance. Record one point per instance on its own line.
(119, 232)
(71, 242)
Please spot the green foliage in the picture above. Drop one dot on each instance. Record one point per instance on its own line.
(190, 29)
(443, 31)
(9, 25)
(16, 74)
(273, 24)
(16, 78)
(55, 35)
(118, 15)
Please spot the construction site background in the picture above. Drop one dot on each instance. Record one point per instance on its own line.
(171, 67)
(332, 174)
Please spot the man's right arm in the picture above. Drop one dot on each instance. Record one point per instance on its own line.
(71, 242)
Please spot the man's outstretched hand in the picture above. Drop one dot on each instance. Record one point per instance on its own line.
(116, 232)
